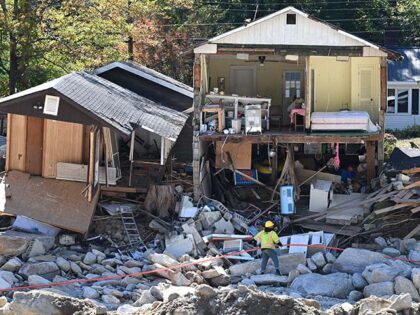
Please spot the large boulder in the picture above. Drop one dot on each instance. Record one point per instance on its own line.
(336, 285)
(354, 260)
(46, 270)
(384, 272)
(41, 302)
(415, 276)
(12, 245)
(379, 289)
(288, 262)
(403, 285)
(358, 281)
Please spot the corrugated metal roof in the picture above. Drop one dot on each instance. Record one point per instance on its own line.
(406, 70)
(113, 104)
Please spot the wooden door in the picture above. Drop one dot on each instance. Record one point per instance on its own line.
(243, 81)
(16, 142)
(366, 87)
(34, 144)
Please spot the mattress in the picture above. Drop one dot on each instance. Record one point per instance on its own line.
(345, 120)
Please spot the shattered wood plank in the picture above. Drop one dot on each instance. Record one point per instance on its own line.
(391, 208)
(413, 232)
(341, 230)
(413, 202)
(411, 171)
(367, 246)
(413, 185)
(415, 210)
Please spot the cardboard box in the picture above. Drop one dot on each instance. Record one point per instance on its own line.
(241, 154)
(321, 195)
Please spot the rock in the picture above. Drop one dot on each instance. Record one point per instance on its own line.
(37, 248)
(327, 268)
(90, 293)
(100, 256)
(145, 298)
(172, 292)
(379, 289)
(179, 245)
(63, 264)
(208, 218)
(403, 285)
(90, 258)
(318, 259)
(415, 276)
(110, 299)
(46, 270)
(205, 291)
(133, 263)
(75, 268)
(12, 265)
(8, 276)
(293, 274)
(216, 271)
(36, 280)
(3, 301)
(400, 302)
(13, 245)
(112, 291)
(381, 241)
(358, 281)
(330, 257)
(303, 269)
(391, 252)
(67, 239)
(407, 245)
(355, 296)
(288, 262)
(222, 280)
(311, 265)
(247, 281)
(41, 302)
(176, 277)
(353, 260)
(384, 272)
(414, 255)
(336, 285)
(267, 279)
(223, 227)
(4, 284)
(372, 305)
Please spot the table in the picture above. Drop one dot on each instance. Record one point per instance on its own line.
(293, 113)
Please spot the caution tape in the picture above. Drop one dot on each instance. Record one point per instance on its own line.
(178, 266)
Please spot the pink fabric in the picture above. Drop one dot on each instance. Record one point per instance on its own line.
(337, 157)
(296, 111)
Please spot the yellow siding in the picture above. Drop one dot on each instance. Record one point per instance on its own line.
(269, 79)
(332, 84)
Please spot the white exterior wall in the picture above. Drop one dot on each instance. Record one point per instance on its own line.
(395, 121)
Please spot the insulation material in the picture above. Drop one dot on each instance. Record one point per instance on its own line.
(241, 155)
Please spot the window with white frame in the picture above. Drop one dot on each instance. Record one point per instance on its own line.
(403, 101)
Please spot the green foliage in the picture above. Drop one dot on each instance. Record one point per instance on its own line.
(407, 133)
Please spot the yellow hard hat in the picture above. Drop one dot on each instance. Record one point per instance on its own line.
(269, 224)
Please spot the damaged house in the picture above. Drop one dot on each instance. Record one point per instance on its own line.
(73, 137)
(286, 99)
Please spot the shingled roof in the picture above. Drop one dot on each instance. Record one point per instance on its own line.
(112, 104)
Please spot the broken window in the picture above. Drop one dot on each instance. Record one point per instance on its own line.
(391, 101)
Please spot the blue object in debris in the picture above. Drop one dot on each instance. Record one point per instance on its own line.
(243, 181)
(287, 202)
(253, 230)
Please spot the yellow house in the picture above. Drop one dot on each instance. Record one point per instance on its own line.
(289, 78)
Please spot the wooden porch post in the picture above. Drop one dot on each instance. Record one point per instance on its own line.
(370, 160)
(197, 81)
(307, 94)
(382, 110)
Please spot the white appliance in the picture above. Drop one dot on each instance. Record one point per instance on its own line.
(253, 119)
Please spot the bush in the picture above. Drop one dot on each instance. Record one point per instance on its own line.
(407, 133)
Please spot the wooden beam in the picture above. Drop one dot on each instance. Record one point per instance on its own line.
(91, 172)
(9, 121)
(370, 160)
(307, 93)
(413, 232)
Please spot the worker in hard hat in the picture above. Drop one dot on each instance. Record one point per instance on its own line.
(268, 240)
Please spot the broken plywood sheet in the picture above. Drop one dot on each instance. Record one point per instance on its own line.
(79, 173)
(241, 154)
(349, 214)
(55, 202)
(303, 174)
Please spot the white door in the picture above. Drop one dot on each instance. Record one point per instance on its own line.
(243, 81)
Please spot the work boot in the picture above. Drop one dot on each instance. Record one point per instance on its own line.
(278, 273)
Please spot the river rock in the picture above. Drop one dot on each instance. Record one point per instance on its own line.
(89, 259)
(318, 259)
(379, 289)
(391, 252)
(358, 281)
(404, 285)
(110, 299)
(46, 270)
(336, 285)
(205, 291)
(353, 260)
(400, 302)
(37, 280)
(90, 293)
(303, 269)
(415, 276)
(63, 264)
(12, 265)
